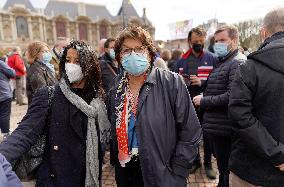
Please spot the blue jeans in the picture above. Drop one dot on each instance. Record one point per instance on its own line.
(5, 112)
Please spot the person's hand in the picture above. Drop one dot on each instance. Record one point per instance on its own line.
(186, 79)
(194, 80)
(281, 167)
(197, 100)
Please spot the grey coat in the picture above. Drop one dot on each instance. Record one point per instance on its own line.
(6, 73)
(38, 76)
(167, 129)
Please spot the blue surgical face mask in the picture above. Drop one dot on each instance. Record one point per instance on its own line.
(112, 54)
(46, 57)
(221, 49)
(135, 64)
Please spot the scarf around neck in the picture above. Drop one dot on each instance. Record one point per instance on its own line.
(125, 122)
(96, 110)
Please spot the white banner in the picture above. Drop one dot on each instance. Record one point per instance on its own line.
(180, 29)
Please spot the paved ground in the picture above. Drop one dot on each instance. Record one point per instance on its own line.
(198, 179)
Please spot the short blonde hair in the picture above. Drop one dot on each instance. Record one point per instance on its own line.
(34, 49)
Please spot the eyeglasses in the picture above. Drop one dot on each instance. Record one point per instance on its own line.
(137, 50)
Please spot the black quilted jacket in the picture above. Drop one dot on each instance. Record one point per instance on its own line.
(216, 95)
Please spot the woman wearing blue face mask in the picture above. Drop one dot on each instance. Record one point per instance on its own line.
(155, 130)
(41, 72)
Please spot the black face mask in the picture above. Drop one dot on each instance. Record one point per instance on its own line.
(197, 47)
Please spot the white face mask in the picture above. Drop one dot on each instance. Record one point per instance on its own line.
(74, 72)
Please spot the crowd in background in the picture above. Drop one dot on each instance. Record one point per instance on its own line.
(149, 107)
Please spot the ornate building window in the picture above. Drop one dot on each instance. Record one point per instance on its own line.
(83, 32)
(22, 27)
(103, 31)
(60, 29)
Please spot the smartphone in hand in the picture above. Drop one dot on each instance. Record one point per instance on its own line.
(186, 79)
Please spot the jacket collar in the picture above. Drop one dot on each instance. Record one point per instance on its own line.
(189, 52)
(274, 37)
(107, 58)
(228, 56)
(151, 78)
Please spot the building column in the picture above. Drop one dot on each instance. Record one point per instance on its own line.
(90, 33)
(1, 28)
(77, 31)
(109, 31)
(30, 28)
(14, 28)
(54, 31)
(98, 33)
(41, 29)
(68, 29)
(44, 31)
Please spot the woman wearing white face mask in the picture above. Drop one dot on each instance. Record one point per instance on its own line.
(40, 73)
(76, 123)
(155, 130)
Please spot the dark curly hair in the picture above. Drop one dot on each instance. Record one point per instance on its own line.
(137, 33)
(90, 67)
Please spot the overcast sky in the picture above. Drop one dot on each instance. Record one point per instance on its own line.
(163, 12)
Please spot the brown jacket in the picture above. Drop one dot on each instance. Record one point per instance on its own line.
(38, 76)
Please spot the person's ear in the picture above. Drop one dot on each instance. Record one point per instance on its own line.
(264, 33)
(235, 43)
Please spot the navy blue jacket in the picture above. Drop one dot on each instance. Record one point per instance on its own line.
(207, 61)
(216, 95)
(64, 161)
(167, 129)
(6, 73)
(107, 74)
(7, 177)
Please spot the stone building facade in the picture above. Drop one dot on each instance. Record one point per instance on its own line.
(21, 23)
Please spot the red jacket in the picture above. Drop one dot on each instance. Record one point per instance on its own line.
(15, 61)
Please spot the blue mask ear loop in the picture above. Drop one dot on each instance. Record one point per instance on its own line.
(229, 50)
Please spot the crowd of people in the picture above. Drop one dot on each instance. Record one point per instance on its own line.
(150, 108)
